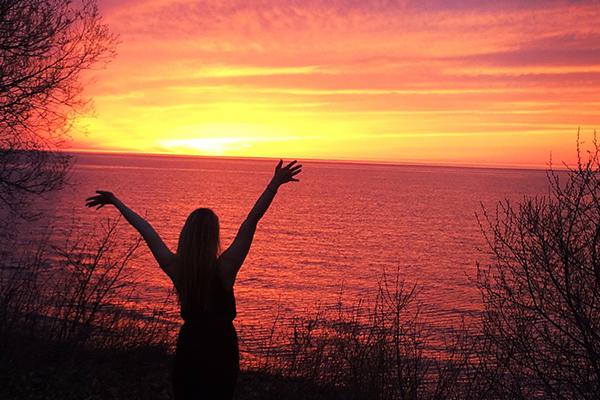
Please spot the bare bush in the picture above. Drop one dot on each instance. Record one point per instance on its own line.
(76, 294)
(542, 290)
(378, 350)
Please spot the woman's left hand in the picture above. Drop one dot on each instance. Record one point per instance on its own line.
(286, 174)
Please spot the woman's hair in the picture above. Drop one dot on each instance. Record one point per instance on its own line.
(197, 254)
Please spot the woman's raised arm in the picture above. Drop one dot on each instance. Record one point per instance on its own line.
(233, 258)
(159, 249)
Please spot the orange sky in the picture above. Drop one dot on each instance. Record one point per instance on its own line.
(425, 81)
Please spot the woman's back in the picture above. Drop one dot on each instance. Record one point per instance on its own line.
(220, 304)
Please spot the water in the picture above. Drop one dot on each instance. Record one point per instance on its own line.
(341, 226)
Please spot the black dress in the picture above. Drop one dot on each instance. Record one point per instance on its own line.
(207, 358)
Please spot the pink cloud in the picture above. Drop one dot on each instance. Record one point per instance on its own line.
(504, 65)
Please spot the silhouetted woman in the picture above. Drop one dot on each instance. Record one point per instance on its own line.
(207, 357)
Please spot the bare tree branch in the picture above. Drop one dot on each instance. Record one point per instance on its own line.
(45, 45)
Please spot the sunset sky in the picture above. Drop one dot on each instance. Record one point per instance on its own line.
(470, 82)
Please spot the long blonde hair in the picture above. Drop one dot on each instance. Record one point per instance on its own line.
(197, 254)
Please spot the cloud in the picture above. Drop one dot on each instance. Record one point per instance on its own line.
(360, 67)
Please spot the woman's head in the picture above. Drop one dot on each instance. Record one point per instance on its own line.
(197, 253)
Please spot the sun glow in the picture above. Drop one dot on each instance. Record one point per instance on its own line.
(348, 80)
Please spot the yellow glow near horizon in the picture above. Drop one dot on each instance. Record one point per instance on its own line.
(480, 84)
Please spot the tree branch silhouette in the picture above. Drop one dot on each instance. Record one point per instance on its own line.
(44, 48)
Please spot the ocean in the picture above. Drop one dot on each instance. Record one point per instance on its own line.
(331, 235)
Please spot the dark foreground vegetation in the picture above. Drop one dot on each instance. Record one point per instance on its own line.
(66, 326)
(65, 333)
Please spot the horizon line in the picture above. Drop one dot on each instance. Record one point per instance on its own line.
(417, 163)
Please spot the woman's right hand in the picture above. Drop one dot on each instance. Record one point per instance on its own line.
(101, 199)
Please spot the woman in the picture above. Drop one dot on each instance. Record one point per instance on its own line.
(207, 357)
